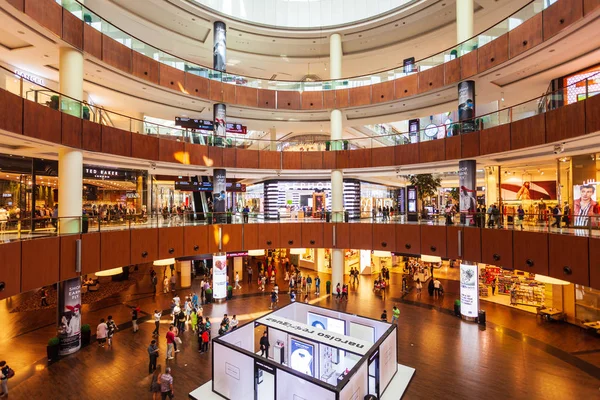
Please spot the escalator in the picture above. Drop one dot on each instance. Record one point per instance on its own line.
(200, 200)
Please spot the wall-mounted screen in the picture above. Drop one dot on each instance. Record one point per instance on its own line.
(302, 357)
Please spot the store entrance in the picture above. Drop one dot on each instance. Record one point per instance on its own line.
(374, 375)
(264, 381)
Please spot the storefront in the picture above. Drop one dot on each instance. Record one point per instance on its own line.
(119, 189)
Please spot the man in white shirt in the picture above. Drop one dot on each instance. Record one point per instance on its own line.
(233, 323)
(436, 287)
(157, 315)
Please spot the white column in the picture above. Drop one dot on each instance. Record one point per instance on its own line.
(137, 122)
(70, 186)
(71, 80)
(464, 20)
(273, 139)
(335, 56)
(185, 268)
(337, 268)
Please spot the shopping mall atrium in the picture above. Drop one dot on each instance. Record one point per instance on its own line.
(300, 199)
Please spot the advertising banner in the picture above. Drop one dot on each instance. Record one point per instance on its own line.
(585, 205)
(219, 125)
(301, 357)
(413, 130)
(69, 328)
(219, 276)
(466, 105)
(469, 291)
(515, 189)
(219, 47)
(467, 180)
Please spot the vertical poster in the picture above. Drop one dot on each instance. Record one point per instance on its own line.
(219, 124)
(301, 357)
(469, 291)
(585, 205)
(220, 195)
(69, 327)
(466, 105)
(413, 130)
(219, 276)
(409, 65)
(402, 201)
(467, 180)
(219, 46)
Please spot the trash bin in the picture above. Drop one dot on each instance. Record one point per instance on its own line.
(481, 318)
(457, 307)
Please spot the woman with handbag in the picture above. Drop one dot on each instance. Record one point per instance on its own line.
(154, 385)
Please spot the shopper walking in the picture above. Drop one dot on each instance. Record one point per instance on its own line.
(112, 328)
(134, 318)
(395, 314)
(249, 273)
(520, 217)
(154, 385)
(44, 294)
(273, 300)
(5, 374)
(338, 290)
(166, 384)
(173, 281)
(419, 286)
(264, 345)
(170, 342)
(557, 216)
(157, 316)
(153, 356)
(101, 332)
(166, 285)
(205, 340)
(436, 287)
(237, 281)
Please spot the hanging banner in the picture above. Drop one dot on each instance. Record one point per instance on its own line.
(469, 292)
(413, 130)
(467, 180)
(69, 326)
(466, 105)
(220, 195)
(219, 277)
(219, 46)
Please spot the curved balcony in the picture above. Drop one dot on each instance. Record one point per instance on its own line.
(507, 40)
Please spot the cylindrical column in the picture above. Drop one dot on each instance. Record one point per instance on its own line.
(71, 80)
(273, 138)
(467, 175)
(337, 195)
(220, 195)
(335, 56)
(466, 106)
(185, 269)
(137, 122)
(337, 267)
(464, 20)
(70, 187)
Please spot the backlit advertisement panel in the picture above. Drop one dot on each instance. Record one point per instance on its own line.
(469, 292)
(219, 276)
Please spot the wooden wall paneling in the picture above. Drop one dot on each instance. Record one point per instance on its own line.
(312, 159)
(116, 141)
(452, 71)
(246, 96)
(10, 272)
(115, 249)
(288, 100)
(195, 239)
(312, 235)
(328, 236)
(215, 156)
(497, 247)
(71, 130)
(383, 156)
(250, 236)
(531, 251)
(560, 15)
(313, 100)
(232, 237)
(433, 240)
(407, 154)
(266, 98)
(328, 99)
(494, 140)
(269, 159)
(359, 158)
(408, 239)
(471, 245)
(343, 158)
(145, 68)
(171, 78)
(197, 154)
(452, 242)
(229, 157)
(247, 158)
(384, 237)
(41, 122)
(342, 98)
(565, 122)
(382, 92)
(291, 159)
(406, 86)
(432, 150)
(588, 7)
(468, 65)
(494, 53)
(11, 112)
(170, 151)
(47, 13)
(215, 90)
(361, 236)
(453, 147)
(18, 4)
(37, 271)
(90, 253)
(228, 93)
(290, 235)
(72, 30)
(341, 235)
(197, 86)
(329, 160)
(594, 262)
(170, 242)
(470, 144)
(528, 132)
(116, 54)
(360, 96)
(144, 245)
(92, 41)
(592, 114)
(268, 236)
(525, 36)
(144, 147)
(68, 257)
(569, 258)
(431, 79)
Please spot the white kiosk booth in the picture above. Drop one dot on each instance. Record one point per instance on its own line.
(315, 353)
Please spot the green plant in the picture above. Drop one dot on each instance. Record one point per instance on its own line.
(85, 328)
(208, 291)
(53, 341)
(455, 195)
(427, 185)
(229, 287)
(457, 302)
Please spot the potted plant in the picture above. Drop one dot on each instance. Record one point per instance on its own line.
(328, 287)
(229, 292)
(208, 293)
(229, 217)
(52, 349)
(346, 145)
(53, 102)
(457, 307)
(327, 216)
(209, 218)
(327, 145)
(86, 334)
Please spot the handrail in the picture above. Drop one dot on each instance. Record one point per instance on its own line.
(459, 49)
(504, 116)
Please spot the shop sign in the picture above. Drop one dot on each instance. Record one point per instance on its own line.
(101, 173)
(235, 187)
(193, 186)
(6, 195)
(304, 185)
(238, 254)
(206, 125)
(132, 195)
(30, 77)
(469, 290)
